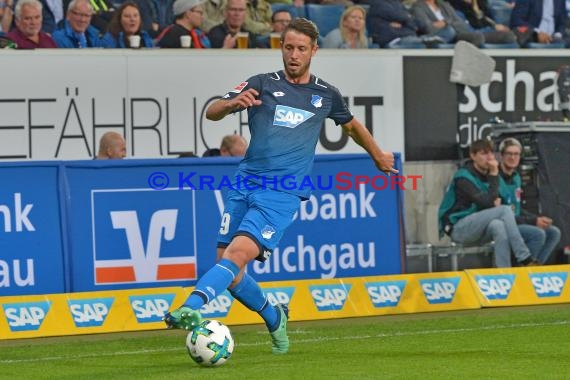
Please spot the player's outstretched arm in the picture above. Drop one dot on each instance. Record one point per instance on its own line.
(357, 131)
(222, 107)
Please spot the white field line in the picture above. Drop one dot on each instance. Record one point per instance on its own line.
(295, 341)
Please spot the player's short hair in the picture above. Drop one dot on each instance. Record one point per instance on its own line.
(508, 142)
(304, 26)
(483, 145)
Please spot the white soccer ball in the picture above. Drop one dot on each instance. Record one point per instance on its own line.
(210, 343)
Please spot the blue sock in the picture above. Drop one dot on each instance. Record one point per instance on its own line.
(212, 283)
(248, 292)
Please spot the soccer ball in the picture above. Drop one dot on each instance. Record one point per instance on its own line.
(210, 343)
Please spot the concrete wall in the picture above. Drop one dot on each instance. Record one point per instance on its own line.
(422, 204)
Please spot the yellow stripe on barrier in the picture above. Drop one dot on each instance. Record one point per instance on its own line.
(142, 309)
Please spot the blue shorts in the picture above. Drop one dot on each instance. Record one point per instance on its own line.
(261, 214)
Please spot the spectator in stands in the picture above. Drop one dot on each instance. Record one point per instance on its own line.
(471, 213)
(126, 22)
(279, 21)
(391, 25)
(27, 34)
(103, 11)
(478, 15)
(538, 232)
(224, 35)
(189, 15)
(112, 146)
(232, 146)
(149, 17)
(52, 15)
(540, 21)
(439, 18)
(258, 18)
(76, 31)
(6, 15)
(213, 14)
(351, 33)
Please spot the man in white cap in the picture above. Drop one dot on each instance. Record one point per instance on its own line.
(188, 17)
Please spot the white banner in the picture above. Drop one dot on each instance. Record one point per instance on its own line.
(56, 104)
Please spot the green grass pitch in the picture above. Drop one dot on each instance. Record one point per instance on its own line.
(502, 343)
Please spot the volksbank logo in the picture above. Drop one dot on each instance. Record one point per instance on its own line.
(548, 284)
(495, 287)
(385, 293)
(143, 236)
(26, 316)
(218, 307)
(279, 295)
(290, 117)
(329, 297)
(440, 290)
(151, 308)
(90, 312)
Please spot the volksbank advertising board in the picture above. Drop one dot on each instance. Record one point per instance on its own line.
(153, 223)
(31, 236)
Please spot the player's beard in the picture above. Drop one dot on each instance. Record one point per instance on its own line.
(296, 71)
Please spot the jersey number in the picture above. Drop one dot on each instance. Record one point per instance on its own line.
(225, 225)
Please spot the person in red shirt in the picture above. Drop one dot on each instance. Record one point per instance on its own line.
(27, 34)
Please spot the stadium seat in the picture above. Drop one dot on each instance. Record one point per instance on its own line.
(295, 11)
(554, 45)
(327, 17)
(513, 45)
(410, 45)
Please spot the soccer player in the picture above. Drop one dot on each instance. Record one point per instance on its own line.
(286, 110)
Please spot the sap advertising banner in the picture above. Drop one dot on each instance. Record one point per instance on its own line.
(31, 250)
(157, 99)
(125, 234)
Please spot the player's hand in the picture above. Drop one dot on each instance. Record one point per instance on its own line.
(386, 163)
(246, 99)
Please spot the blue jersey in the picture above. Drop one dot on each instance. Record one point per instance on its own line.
(285, 128)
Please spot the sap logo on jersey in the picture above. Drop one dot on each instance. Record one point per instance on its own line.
(151, 308)
(440, 290)
(329, 297)
(290, 117)
(385, 293)
(548, 284)
(495, 287)
(218, 307)
(26, 316)
(90, 312)
(279, 295)
(143, 237)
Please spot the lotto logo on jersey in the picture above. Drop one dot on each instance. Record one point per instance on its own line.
(219, 307)
(290, 117)
(143, 236)
(151, 308)
(329, 297)
(495, 287)
(90, 312)
(440, 290)
(548, 284)
(26, 316)
(279, 295)
(385, 293)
